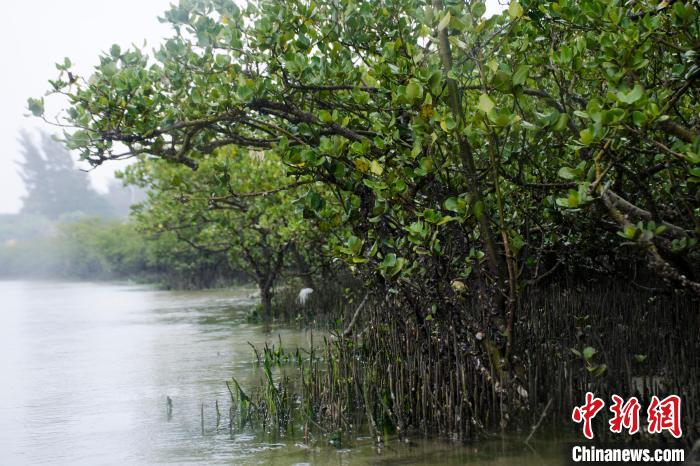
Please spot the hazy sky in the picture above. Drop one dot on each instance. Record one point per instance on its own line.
(38, 33)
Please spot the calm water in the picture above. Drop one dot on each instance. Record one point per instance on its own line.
(86, 368)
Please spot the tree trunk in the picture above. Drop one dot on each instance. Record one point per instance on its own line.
(467, 158)
(266, 300)
(303, 268)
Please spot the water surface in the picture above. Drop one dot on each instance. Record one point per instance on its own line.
(86, 369)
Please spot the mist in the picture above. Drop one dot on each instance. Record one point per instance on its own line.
(62, 216)
(39, 34)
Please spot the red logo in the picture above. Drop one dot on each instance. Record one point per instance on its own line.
(625, 415)
(587, 412)
(662, 415)
(665, 415)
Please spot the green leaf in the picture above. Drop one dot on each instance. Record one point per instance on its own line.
(567, 173)
(629, 231)
(632, 96)
(570, 202)
(325, 116)
(521, 75)
(389, 260)
(361, 164)
(515, 10)
(376, 168)
(354, 244)
(246, 90)
(314, 201)
(586, 136)
(448, 123)
(562, 122)
(517, 242)
(600, 370)
(639, 118)
(444, 22)
(451, 204)
(397, 267)
(588, 352)
(358, 147)
(36, 106)
(413, 91)
(109, 69)
(485, 103)
(197, 96)
(478, 8)
(446, 219)
(500, 117)
(502, 81)
(574, 199)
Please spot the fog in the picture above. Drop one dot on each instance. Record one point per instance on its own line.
(38, 33)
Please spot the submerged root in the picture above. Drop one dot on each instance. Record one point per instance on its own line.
(392, 379)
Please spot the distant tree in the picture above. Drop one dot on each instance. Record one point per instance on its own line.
(121, 197)
(54, 185)
(238, 204)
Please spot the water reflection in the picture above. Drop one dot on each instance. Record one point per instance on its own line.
(87, 370)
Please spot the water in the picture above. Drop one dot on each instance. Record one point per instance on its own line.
(86, 369)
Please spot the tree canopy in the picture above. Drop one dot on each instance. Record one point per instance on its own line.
(237, 203)
(449, 154)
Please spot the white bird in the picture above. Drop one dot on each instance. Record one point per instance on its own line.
(304, 294)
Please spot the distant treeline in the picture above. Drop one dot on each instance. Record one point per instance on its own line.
(92, 248)
(58, 190)
(68, 230)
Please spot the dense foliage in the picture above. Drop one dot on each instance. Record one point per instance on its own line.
(451, 160)
(260, 232)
